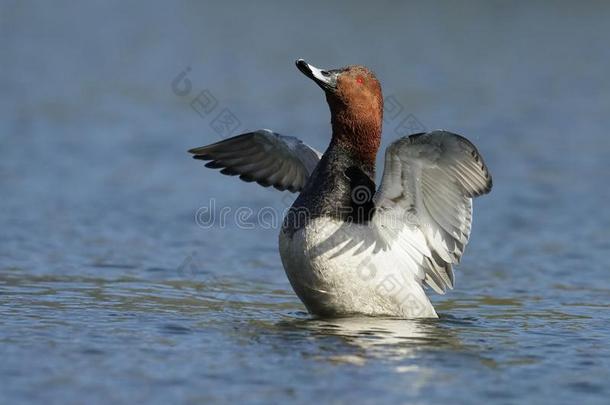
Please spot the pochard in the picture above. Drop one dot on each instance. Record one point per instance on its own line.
(347, 246)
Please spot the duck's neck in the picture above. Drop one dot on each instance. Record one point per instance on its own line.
(359, 138)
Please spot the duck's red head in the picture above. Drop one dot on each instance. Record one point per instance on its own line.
(356, 107)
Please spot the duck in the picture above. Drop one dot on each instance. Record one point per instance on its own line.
(348, 247)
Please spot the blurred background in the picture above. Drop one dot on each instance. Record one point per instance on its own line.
(111, 290)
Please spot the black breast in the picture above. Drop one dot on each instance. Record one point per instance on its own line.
(340, 187)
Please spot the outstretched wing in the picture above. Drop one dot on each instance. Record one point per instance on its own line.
(270, 159)
(428, 183)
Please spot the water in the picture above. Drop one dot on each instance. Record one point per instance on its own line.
(110, 291)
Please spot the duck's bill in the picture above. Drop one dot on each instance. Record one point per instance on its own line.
(327, 79)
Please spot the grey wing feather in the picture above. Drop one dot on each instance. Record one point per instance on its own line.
(434, 176)
(263, 156)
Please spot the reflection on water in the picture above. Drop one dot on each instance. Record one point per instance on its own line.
(368, 338)
(110, 292)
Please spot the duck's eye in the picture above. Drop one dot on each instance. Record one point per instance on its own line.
(325, 73)
(359, 79)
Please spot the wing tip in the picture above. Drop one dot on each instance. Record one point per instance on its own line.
(486, 189)
(212, 165)
(490, 184)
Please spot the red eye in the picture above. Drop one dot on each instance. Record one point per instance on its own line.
(360, 80)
